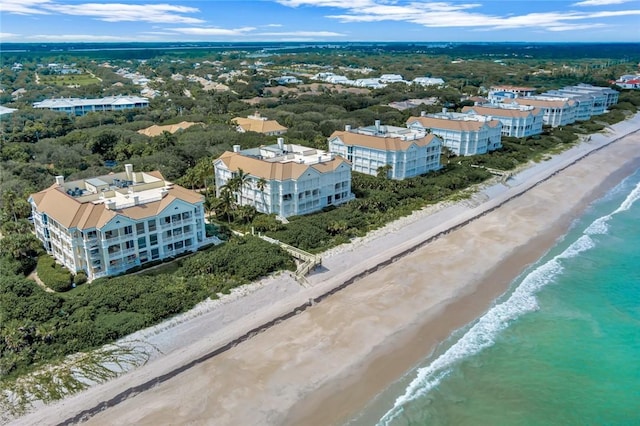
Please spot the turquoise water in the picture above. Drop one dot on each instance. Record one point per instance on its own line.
(562, 347)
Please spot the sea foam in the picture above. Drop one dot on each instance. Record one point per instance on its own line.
(483, 333)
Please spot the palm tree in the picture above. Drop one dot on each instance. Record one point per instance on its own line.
(261, 184)
(237, 183)
(225, 204)
(383, 171)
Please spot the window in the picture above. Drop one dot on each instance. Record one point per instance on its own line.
(144, 256)
(128, 230)
(140, 228)
(152, 225)
(153, 239)
(142, 242)
(186, 216)
(129, 244)
(155, 253)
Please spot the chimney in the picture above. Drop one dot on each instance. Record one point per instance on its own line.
(59, 180)
(377, 125)
(236, 148)
(128, 168)
(136, 200)
(347, 128)
(281, 143)
(444, 110)
(110, 205)
(423, 113)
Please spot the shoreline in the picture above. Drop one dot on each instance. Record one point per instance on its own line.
(338, 400)
(322, 287)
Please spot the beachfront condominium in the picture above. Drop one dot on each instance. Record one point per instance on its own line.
(285, 179)
(76, 106)
(557, 111)
(518, 121)
(259, 124)
(463, 134)
(108, 224)
(585, 107)
(395, 152)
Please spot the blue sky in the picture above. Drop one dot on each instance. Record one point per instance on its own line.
(319, 20)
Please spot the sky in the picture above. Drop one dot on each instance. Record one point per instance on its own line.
(320, 20)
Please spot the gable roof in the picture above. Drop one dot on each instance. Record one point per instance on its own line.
(275, 170)
(71, 213)
(381, 143)
(458, 125)
(501, 112)
(259, 125)
(156, 130)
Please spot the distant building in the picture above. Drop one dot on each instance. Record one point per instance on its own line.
(80, 107)
(558, 111)
(4, 110)
(628, 81)
(257, 123)
(287, 79)
(391, 78)
(404, 152)
(371, 83)
(428, 81)
(517, 120)
(516, 90)
(297, 179)
(108, 224)
(464, 134)
(156, 130)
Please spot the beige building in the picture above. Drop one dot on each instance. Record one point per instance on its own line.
(286, 179)
(108, 224)
(259, 124)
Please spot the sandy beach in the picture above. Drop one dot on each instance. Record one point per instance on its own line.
(411, 285)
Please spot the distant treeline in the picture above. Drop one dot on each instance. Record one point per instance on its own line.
(623, 51)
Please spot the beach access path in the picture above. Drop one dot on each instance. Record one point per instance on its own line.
(185, 360)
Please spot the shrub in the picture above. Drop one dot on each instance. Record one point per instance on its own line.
(54, 276)
(80, 278)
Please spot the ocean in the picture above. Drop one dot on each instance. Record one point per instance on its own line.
(560, 347)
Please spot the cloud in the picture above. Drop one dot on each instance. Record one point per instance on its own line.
(24, 7)
(5, 36)
(212, 31)
(118, 12)
(75, 37)
(313, 34)
(600, 2)
(273, 25)
(441, 14)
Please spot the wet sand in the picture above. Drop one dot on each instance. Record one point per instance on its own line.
(326, 363)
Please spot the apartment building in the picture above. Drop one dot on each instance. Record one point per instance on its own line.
(78, 107)
(286, 179)
(585, 108)
(558, 111)
(108, 224)
(397, 151)
(464, 134)
(518, 121)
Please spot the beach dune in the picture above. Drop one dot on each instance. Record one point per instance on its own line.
(324, 364)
